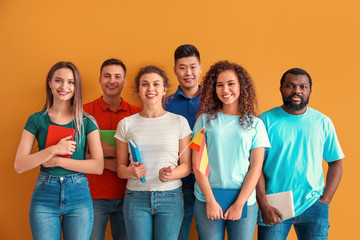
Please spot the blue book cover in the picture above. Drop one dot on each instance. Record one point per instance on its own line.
(227, 197)
(135, 154)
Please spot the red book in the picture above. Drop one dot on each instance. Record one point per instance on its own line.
(56, 133)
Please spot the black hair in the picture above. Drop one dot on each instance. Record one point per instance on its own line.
(186, 50)
(113, 61)
(295, 71)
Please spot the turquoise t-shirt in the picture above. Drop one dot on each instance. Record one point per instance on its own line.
(229, 145)
(38, 125)
(298, 145)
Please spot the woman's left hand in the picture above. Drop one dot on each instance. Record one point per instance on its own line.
(233, 212)
(165, 174)
(52, 162)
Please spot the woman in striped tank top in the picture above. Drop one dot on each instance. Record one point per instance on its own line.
(154, 208)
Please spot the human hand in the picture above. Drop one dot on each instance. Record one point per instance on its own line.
(234, 212)
(271, 215)
(138, 169)
(108, 150)
(165, 174)
(214, 211)
(65, 146)
(324, 200)
(52, 162)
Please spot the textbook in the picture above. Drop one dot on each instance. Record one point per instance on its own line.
(227, 197)
(108, 137)
(135, 154)
(283, 201)
(56, 133)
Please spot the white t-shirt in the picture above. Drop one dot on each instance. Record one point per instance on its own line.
(158, 143)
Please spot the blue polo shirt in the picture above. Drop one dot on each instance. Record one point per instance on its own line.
(187, 107)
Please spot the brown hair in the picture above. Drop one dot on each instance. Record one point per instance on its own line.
(211, 104)
(147, 70)
(76, 100)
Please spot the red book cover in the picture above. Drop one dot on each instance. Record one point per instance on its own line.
(56, 133)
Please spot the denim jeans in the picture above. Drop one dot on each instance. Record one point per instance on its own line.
(215, 229)
(61, 202)
(153, 214)
(189, 199)
(105, 209)
(313, 224)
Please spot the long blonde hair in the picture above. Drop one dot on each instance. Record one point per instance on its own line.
(76, 100)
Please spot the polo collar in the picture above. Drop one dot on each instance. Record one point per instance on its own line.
(106, 107)
(179, 92)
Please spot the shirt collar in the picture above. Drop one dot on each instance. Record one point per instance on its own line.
(106, 107)
(179, 92)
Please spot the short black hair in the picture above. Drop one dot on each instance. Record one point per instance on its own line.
(186, 50)
(295, 71)
(113, 61)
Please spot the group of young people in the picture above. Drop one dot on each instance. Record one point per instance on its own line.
(282, 150)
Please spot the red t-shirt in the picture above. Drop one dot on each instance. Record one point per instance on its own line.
(108, 185)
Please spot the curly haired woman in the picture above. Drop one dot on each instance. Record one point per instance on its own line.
(236, 142)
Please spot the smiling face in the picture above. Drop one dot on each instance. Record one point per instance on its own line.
(228, 88)
(187, 71)
(151, 88)
(62, 84)
(295, 92)
(112, 80)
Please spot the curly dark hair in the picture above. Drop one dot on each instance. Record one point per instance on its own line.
(211, 104)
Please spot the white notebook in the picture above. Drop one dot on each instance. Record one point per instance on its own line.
(283, 201)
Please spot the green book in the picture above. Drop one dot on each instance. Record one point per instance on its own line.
(108, 137)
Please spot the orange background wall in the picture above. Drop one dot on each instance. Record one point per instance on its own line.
(266, 37)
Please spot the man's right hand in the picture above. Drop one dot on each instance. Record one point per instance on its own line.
(108, 150)
(271, 215)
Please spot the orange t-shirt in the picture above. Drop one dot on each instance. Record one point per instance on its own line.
(108, 185)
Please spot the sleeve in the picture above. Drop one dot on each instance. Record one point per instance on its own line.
(90, 124)
(260, 139)
(332, 149)
(121, 131)
(199, 124)
(87, 108)
(32, 124)
(184, 127)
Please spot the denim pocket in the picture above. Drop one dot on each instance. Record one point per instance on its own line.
(81, 182)
(173, 193)
(41, 182)
(325, 204)
(130, 193)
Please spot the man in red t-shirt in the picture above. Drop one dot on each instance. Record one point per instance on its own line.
(108, 190)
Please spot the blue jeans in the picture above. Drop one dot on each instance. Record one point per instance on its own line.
(189, 199)
(215, 229)
(313, 224)
(105, 209)
(61, 202)
(153, 214)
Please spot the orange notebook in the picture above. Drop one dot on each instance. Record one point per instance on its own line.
(56, 133)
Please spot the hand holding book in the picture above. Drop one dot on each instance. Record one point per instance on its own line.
(62, 138)
(139, 170)
(271, 216)
(66, 146)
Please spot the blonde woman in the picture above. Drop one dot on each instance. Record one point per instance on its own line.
(61, 198)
